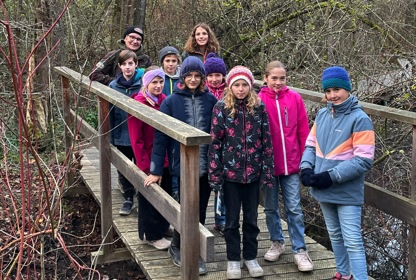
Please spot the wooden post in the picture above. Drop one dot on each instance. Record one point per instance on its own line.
(105, 176)
(70, 176)
(189, 212)
(412, 232)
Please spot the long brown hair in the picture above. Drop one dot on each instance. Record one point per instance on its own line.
(253, 101)
(212, 45)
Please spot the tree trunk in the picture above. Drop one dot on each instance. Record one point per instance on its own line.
(140, 13)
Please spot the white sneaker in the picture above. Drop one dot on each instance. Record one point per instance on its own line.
(254, 268)
(161, 244)
(233, 270)
(276, 249)
(303, 261)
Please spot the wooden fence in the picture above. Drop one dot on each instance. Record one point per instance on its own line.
(184, 217)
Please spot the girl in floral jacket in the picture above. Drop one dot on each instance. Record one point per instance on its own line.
(240, 161)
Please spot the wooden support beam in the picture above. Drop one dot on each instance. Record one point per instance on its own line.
(105, 177)
(119, 254)
(68, 121)
(412, 231)
(189, 212)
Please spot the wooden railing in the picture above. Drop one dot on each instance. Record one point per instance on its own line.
(185, 216)
(398, 206)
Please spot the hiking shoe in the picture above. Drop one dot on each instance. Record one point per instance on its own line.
(233, 270)
(202, 268)
(254, 268)
(175, 196)
(220, 229)
(161, 244)
(169, 231)
(126, 208)
(276, 249)
(303, 261)
(338, 276)
(175, 254)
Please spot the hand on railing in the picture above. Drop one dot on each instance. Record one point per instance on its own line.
(152, 179)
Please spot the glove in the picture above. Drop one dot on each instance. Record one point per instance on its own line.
(321, 180)
(305, 176)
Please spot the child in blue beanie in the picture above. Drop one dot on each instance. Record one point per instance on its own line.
(190, 103)
(339, 151)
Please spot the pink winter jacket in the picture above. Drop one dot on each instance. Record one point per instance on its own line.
(289, 128)
(141, 134)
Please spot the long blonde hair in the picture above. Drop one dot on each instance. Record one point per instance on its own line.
(253, 101)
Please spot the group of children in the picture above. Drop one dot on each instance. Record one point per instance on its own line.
(260, 142)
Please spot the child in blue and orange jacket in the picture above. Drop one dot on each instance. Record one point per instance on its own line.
(339, 151)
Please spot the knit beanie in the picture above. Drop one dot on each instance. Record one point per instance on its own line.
(192, 64)
(238, 73)
(165, 51)
(214, 64)
(150, 75)
(133, 29)
(336, 77)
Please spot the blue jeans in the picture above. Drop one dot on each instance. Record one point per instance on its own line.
(219, 219)
(237, 195)
(343, 223)
(294, 215)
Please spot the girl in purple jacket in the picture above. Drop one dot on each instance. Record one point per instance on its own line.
(240, 161)
(152, 225)
(289, 129)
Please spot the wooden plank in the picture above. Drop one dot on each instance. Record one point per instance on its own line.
(184, 133)
(371, 109)
(391, 203)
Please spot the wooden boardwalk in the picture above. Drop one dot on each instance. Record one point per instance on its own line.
(158, 265)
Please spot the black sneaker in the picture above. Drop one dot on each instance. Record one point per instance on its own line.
(175, 254)
(202, 268)
(220, 229)
(126, 208)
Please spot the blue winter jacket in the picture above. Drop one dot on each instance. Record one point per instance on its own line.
(342, 142)
(119, 132)
(170, 82)
(192, 108)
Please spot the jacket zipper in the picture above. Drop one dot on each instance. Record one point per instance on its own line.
(286, 117)
(194, 110)
(245, 144)
(282, 136)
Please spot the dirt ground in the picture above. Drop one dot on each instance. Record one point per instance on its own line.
(83, 222)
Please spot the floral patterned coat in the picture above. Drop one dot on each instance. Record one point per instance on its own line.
(241, 149)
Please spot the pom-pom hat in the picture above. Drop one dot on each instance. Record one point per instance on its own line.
(336, 77)
(238, 73)
(192, 64)
(150, 75)
(166, 51)
(133, 29)
(214, 64)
